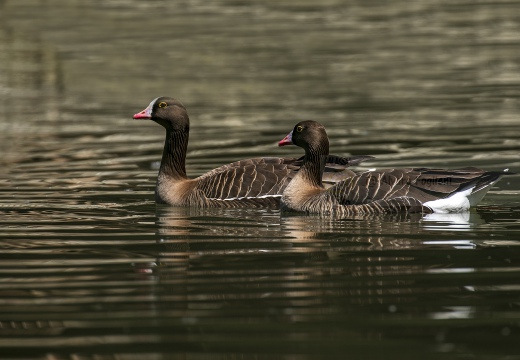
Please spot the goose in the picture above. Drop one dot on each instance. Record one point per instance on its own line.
(257, 182)
(379, 191)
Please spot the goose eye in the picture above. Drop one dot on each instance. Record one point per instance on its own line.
(299, 128)
(162, 104)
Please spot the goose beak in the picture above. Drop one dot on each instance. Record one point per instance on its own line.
(145, 114)
(286, 140)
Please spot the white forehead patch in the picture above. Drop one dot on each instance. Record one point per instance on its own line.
(151, 104)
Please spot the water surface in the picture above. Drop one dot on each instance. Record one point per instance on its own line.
(90, 267)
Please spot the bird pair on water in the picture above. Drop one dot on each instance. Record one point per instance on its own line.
(317, 183)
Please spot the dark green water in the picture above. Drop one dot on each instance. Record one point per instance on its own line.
(91, 268)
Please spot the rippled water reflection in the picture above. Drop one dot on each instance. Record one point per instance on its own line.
(92, 268)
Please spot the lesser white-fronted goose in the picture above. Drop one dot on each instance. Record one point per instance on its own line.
(379, 191)
(255, 182)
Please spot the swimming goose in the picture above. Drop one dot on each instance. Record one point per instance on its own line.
(255, 182)
(379, 191)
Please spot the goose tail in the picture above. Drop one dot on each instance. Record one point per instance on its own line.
(470, 195)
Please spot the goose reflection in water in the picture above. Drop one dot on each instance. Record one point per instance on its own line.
(218, 259)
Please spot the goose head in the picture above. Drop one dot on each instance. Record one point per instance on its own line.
(309, 135)
(168, 112)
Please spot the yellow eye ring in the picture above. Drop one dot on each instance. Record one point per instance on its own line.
(162, 104)
(299, 128)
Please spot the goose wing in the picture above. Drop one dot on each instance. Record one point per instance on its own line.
(267, 176)
(421, 184)
(249, 178)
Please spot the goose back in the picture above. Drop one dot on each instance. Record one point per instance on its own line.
(422, 184)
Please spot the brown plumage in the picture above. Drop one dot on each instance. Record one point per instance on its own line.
(381, 191)
(255, 182)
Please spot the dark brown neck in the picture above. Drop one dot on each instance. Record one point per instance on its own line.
(313, 167)
(173, 163)
(314, 162)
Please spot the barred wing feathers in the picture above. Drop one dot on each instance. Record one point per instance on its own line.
(421, 184)
(266, 177)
